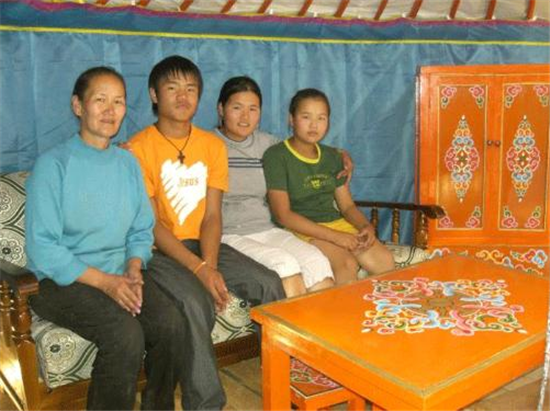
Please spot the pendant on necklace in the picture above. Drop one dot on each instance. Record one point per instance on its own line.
(181, 157)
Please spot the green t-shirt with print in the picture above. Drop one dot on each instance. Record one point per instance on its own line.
(310, 183)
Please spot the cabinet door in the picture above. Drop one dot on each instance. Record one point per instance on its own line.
(455, 128)
(484, 155)
(523, 185)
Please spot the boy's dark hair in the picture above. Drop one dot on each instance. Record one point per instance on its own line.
(304, 94)
(173, 66)
(83, 81)
(237, 85)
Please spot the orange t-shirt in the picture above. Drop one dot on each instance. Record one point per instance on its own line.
(179, 190)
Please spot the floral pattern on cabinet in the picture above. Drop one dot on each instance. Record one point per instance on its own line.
(483, 155)
(542, 92)
(462, 159)
(523, 158)
(524, 179)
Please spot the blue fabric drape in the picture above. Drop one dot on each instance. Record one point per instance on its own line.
(367, 70)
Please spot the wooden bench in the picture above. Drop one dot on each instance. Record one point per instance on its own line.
(20, 375)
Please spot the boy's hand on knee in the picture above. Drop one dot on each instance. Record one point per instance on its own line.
(215, 284)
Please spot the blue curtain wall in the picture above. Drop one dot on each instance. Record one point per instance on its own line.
(367, 69)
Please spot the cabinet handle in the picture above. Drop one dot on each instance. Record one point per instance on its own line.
(489, 142)
(497, 143)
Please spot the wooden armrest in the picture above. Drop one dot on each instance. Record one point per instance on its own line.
(22, 281)
(422, 212)
(15, 310)
(430, 210)
(17, 284)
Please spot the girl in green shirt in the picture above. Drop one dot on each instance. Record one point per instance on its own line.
(307, 198)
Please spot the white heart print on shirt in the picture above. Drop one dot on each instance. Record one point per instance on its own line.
(184, 186)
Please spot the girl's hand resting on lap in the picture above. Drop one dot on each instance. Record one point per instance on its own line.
(366, 237)
(348, 241)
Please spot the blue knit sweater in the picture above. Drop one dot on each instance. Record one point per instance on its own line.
(85, 207)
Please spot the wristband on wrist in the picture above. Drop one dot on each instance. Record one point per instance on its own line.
(198, 267)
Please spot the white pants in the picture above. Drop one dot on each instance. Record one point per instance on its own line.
(284, 253)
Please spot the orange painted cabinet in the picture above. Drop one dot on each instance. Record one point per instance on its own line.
(484, 156)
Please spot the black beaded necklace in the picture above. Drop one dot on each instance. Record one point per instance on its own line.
(181, 156)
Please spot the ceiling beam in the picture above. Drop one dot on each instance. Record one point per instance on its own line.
(415, 8)
(341, 8)
(185, 5)
(381, 7)
(265, 5)
(530, 14)
(454, 9)
(305, 8)
(491, 10)
(225, 9)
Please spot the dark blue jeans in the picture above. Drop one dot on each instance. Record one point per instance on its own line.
(245, 277)
(122, 341)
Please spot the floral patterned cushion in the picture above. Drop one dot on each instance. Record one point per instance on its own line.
(12, 218)
(64, 356)
(406, 255)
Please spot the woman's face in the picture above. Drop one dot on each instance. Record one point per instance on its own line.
(102, 109)
(310, 121)
(240, 115)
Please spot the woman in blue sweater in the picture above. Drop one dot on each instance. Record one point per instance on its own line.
(88, 237)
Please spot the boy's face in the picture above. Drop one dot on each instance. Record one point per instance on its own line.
(177, 97)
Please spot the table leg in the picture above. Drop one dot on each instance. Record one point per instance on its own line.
(275, 374)
(357, 403)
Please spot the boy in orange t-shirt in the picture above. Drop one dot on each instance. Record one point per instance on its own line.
(186, 172)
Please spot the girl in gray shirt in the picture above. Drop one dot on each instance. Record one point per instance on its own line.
(247, 224)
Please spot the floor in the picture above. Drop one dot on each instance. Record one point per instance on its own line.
(243, 387)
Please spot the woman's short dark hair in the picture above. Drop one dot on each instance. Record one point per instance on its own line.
(305, 94)
(83, 81)
(173, 66)
(237, 85)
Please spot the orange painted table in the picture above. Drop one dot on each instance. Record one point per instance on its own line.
(438, 335)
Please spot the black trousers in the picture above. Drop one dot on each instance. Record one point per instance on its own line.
(122, 341)
(249, 280)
